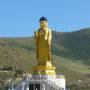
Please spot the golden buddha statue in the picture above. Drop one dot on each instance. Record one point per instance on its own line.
(43, 42)
(43, 39)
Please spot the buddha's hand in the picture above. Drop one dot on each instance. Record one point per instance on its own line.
(47, 43)
(35, 33)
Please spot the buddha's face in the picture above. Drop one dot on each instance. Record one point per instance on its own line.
(43, 24)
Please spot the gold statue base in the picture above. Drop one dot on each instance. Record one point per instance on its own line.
(44, 70)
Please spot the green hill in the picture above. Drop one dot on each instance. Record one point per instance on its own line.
(74, 45)
(70, 53)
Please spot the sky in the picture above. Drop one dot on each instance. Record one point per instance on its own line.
(20, 18)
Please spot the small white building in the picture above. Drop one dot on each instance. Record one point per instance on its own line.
(42, 82)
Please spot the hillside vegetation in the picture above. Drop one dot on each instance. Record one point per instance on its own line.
(70, 53)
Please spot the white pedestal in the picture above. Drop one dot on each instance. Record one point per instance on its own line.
(42, 82)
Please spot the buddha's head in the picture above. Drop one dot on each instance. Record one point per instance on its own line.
(43, 22)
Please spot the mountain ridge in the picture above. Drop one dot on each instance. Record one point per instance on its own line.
(73, 44)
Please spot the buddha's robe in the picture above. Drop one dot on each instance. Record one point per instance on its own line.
(43, 42)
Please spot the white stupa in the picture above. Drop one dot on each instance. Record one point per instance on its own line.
(42, 82)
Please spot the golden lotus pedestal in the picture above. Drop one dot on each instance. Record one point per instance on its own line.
(44, 70)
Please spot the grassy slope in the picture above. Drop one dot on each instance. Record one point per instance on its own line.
(70, 51)
(74, 45)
